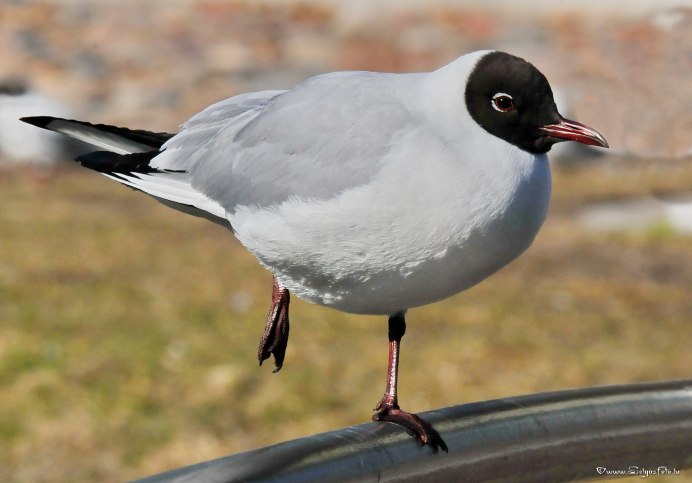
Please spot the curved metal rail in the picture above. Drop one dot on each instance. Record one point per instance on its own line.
(559, 436)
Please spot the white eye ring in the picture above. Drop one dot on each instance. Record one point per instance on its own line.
(500, 95)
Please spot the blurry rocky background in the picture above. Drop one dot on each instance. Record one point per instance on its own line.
(154, 63)
(127, 331)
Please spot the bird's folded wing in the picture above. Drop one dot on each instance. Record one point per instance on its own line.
(327, 135)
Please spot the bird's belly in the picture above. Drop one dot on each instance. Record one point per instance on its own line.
(346, 254)
(415, 283)
(378, 285)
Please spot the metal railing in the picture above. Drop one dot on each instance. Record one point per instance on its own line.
(571, 435)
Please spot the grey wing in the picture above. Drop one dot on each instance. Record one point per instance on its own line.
(327, 135)
(230, 108)
(197, 133)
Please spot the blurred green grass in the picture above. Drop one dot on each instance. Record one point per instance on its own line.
(129, 331)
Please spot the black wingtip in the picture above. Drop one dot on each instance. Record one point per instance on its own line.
(111, 163)
(38, 121)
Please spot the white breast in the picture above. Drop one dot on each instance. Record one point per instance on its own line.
(429, 225)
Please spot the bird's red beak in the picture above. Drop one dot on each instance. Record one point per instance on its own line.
(575, 131)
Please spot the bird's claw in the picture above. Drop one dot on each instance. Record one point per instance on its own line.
(275, 337)
(419, 428)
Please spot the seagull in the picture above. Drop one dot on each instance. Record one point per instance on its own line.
(367, 192)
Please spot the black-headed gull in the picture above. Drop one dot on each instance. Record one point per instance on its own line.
(367, 192)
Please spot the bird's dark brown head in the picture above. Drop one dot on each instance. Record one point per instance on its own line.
(511, 99)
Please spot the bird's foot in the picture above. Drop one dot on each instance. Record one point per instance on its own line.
(419, 428)
(275, 337)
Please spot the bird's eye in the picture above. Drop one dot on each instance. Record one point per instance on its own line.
(502, 102)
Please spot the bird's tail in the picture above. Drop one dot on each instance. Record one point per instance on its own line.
(126, 156)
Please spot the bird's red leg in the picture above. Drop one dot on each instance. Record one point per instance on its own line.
(275, 337)
(388, 407)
